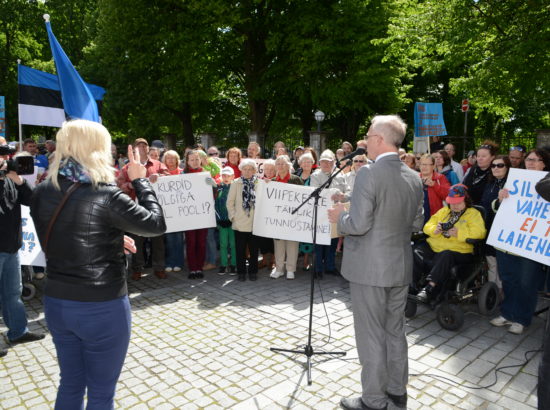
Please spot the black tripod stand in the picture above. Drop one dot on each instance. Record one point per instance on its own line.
(308, 349)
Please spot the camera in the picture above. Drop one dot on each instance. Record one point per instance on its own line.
(21, 165)
(445, 226)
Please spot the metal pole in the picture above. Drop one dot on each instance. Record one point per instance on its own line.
(18, 111)
(465, 132)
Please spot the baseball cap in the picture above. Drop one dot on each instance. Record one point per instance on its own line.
(227, 171)
(327, 155)
(140, 141)
(457, 194)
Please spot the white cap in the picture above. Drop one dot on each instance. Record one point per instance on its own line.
(227, 171)
(327, 155)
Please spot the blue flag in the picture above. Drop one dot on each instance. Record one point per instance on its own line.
(428, 120)
(78, 101)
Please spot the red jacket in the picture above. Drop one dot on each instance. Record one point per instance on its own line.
(153, 167)
(236, 169)
(438, 192)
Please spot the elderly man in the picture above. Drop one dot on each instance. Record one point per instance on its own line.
(325, 254)
(254, 150)
(386, 207)
(154, 170)
(457, 168)
(517, 156)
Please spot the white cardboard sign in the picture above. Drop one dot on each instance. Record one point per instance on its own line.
(273, 215)
(187, 201)
(522, 223)
(30, 253)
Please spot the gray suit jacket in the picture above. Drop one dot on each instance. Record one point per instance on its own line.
(386, 207)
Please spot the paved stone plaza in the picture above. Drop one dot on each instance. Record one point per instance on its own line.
(206, 344)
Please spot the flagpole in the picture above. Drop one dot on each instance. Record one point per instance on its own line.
(18, 111)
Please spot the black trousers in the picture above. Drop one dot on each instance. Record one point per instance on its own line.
(437, 264)
(543, 392)
(242, 240)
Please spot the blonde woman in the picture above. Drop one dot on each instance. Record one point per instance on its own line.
(85, 295)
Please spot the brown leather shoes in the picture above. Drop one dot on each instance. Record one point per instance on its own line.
(136, 275)
(160, 274)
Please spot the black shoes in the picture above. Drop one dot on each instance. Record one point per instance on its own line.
(28, 337)
(252, 276)
(356, 403)
(3, 352)
(242, 277)
(192, 275)
(222, 270)
(199, 274)
(398, 400)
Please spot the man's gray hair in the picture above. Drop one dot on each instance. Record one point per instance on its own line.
(391, 127)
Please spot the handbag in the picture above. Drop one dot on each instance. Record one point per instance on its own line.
(71, 189)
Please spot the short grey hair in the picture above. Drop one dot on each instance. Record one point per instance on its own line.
(248, 162)
(390, 127)
(307, 155)
(286, 159)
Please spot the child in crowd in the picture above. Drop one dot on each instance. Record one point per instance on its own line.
(227, 236)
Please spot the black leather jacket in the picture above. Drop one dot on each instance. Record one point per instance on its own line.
(85, 255)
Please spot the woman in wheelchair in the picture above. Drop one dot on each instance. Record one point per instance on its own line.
(446, 245)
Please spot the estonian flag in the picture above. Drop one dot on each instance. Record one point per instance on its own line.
(78, 101)
(40, 101)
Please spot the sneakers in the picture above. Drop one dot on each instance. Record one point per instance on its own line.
(176, 269)
(221, 271)
(168, 269)
(500, 321)
(425, 294)
(290, 275)
(28, 337)
(192, 275)
(275, 274)
(516, 328)
(232, 270)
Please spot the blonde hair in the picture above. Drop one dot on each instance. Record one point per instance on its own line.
(89, 144)
(173, 154)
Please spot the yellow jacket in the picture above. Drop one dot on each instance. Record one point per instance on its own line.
(469, 226)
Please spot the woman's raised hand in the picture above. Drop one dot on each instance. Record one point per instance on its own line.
(135, 168)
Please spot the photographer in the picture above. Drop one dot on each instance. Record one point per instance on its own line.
(14, 192)
(446, 245)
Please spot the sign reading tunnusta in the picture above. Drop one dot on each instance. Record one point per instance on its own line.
(187, 201)
(273, 217)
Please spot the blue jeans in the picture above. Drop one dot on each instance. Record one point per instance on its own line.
(91, 340)
(521, 279)
(325, 255)
(13, 310)
(211, 254)
(174, 249)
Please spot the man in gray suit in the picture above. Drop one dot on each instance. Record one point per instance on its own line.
(386, 207)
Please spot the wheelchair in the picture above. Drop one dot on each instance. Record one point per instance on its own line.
(465, 283)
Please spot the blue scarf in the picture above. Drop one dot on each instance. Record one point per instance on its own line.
(74, 172)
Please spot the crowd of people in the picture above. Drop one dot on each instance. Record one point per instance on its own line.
(451, 190)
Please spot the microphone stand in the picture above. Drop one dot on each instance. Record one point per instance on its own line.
(308, 349)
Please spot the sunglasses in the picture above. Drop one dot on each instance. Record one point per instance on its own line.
(501, 165)
(358, 160)
(520, 149)
(211, 154)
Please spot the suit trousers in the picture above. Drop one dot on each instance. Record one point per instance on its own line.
(286, 252)
(380, 336)
(157, 250)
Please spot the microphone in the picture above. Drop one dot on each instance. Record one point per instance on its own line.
(358, 151)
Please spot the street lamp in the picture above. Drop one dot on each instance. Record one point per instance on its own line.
(319, 117)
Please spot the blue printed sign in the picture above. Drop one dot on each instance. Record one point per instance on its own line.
(30, 253)
(428, 120)
(522, 223)
(2, 117)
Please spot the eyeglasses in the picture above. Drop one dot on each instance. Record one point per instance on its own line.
(211, 154)
(358, 160)
(533, 160)
(501, 165)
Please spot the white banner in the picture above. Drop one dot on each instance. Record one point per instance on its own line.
(522, 223)
(187, 201)
(273, 215)
(259, 163)
(30, 253)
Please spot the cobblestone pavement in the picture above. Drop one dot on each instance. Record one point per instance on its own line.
(206, 344)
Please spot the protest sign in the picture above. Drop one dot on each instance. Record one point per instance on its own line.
(259, 163)
(273, 215)
(30, 253)
(522, 223)
(187, 201)
(428, 120)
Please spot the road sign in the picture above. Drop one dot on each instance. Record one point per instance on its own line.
(465, 105)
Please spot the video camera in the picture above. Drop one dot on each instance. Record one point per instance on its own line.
(21, 165)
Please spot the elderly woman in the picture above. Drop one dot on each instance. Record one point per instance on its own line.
(443, 166)
(286, 252)
(537, 160)
(358, 162)
(241, 203)
(173, 240)
(234, 156)
(446, 245)
(410, 161)
(477, 176)
(85, 295)
(435, 186)
(305, 163)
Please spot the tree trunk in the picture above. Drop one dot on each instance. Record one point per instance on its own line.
(186, 119)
